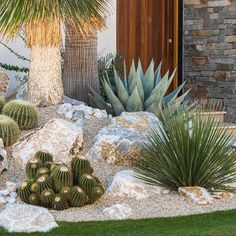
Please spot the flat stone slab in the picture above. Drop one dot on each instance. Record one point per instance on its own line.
(27, 218)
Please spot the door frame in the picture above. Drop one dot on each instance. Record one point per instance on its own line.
(178, 40)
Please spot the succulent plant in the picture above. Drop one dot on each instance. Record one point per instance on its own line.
(44, 156)
(23, 112)
(78, 197)
(42, 171)
(47, 197)
(34, 188)
(66, 193)
(59, 203)
(2, 103)
(87, 182)
(34, 199)
(96, 193)
(32, 166)
(48, 164)
(44, 182)
(80, 165)
(9, 130)
(138, 91)
(24, 190)
(63, 177)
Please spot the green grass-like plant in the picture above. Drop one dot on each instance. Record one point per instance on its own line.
(23, 112)
(189, 151)
(9, 130)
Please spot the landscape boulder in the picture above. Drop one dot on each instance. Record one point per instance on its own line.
(118, 211)
(3, 158)
(196, 194)
(119, 142)
(125, 185)
(26, 218)
(74, 111)
(57, 137)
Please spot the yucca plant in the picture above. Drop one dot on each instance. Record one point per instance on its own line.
(188, 151)
(138, 91)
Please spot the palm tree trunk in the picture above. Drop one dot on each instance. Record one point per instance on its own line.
(45, 76)
(80, 64)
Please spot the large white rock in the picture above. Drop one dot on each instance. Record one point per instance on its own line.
(118, 143)
(125, 185)
(3, 160)
(71, 111)
(26, 218)
(57, 137)
(197, 194)
(118, 212)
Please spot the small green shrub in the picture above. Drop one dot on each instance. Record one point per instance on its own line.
(189, 151)
(50, 184)
(9, 130)
(138, 91)
(23, 112)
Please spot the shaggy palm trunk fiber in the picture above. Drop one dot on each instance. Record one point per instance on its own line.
(45, 76)
(80, 64)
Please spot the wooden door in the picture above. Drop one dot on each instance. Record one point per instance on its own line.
(148, 29)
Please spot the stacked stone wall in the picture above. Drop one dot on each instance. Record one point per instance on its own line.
(210, 50)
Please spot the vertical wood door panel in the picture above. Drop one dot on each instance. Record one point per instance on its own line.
(148, 29)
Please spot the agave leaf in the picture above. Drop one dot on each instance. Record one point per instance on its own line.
(125, 77)
(121, 91)
(132, 72)
(116, 104)
(135, 102)
(99, 101)
(137, 82)
(148, 82)
(173, 94)
(178, 100)
(158, 74)
(140, 70)
(158, 92)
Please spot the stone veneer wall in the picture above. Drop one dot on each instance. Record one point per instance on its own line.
(210, 50)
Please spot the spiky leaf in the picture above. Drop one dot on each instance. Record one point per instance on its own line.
(135, 102)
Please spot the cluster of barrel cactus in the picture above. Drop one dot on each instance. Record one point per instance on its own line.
(138, 91)
(23, 112)
(16, 115)
(57, 186)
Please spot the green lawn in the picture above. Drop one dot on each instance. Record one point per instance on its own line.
(214, 224)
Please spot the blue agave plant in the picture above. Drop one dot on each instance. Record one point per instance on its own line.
(138, 91)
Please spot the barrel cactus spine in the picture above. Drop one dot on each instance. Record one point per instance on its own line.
(34, 199)
(95, 194)
(80, 165)
(59, 203)
(47, 197)
(24, 190)
(44, 182)
(32, 166)
(42, 171)
(62, 177)
(87, 182)
(9, 130)
(78, 197)
(23, 112)
(66, 193)
(44, 156)
(2, 103)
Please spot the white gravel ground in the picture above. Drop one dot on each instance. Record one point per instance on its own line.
(164, 205)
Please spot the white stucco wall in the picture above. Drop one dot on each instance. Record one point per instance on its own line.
(106, 42)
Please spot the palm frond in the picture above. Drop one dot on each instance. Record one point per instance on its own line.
(83, 15)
